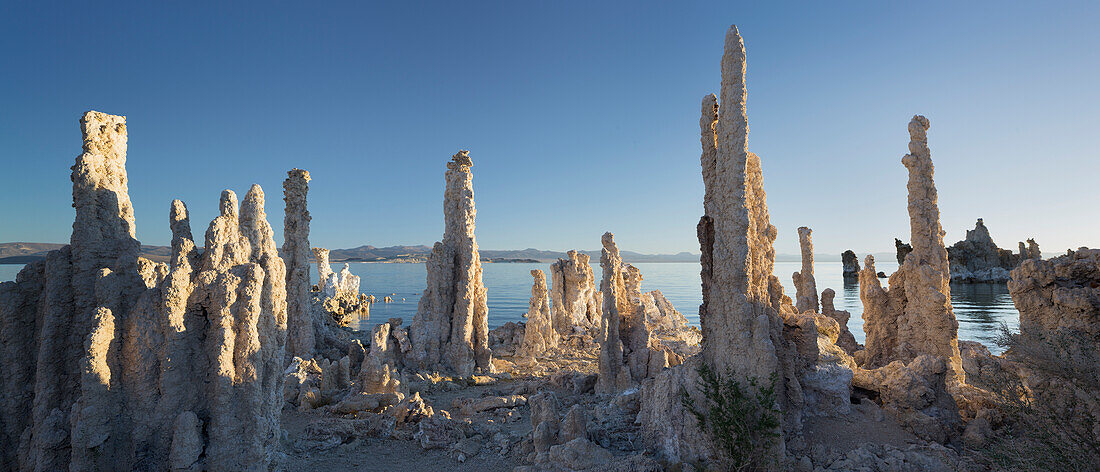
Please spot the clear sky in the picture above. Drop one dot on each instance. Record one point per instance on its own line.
(581, 117)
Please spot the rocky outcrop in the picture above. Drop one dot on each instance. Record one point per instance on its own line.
(978, 259)
(1056, 353)
(299, 322)
(902, 250)
(750, 328)
(845, 339)
(1030, 251)
(450, 330)
(539, 335)
(918, 305)
(335, 306)
(850, 263)
(928, 324)
(613, 377)
(574, 300)
(804, 283)
(143, 366)
(1062, 293)
(911, 329)
(630, 350)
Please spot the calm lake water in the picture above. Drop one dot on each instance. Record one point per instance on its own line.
(980, 308)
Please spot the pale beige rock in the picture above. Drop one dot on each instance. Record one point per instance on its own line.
(845, 339)
(1061, 293)
(574, 299)
(611, 347)
(629, 352)
(539, 334)
(335, 307)
(138, 365)
(743, 308)
(804, 283)
(378, 373)
(300, 338)
(450, 330)
(918, 304)
(324, 267)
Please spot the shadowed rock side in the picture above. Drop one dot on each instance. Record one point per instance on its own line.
(631, 325)
(978, 259)
(850, 263)
(804, 283)
(139, 365)
(902, 250)
(1062, 293)
(1059, 303)
(450, 330)
(613, 377)
(300, 337)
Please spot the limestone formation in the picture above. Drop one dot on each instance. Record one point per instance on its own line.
(1056, 349)
(450, 330)
(845, 339)
(880, 320)
(928, 324)
(804, 283)
(978, 259)
(612, 375)
(631, 348)
(744, 310)
(1032, 251)
(1061, 293)
(850, 263)
(136, 365)
(334, 307)
(574, 300)
(902, 250)
(300, 338)
(324, 267)
(915, 317)
(539, 335)
(912, 356)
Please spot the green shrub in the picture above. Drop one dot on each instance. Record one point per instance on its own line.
(742, 420)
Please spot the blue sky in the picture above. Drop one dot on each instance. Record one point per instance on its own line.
(581, 117)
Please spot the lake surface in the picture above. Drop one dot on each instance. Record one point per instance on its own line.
(980, 308)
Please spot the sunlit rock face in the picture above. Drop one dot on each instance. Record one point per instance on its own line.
(574, 297)
(912, 333)
(136, 365)
(450, 330)
(539, 335)
(744, 309)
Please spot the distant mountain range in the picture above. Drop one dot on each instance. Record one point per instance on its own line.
(22, 253)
